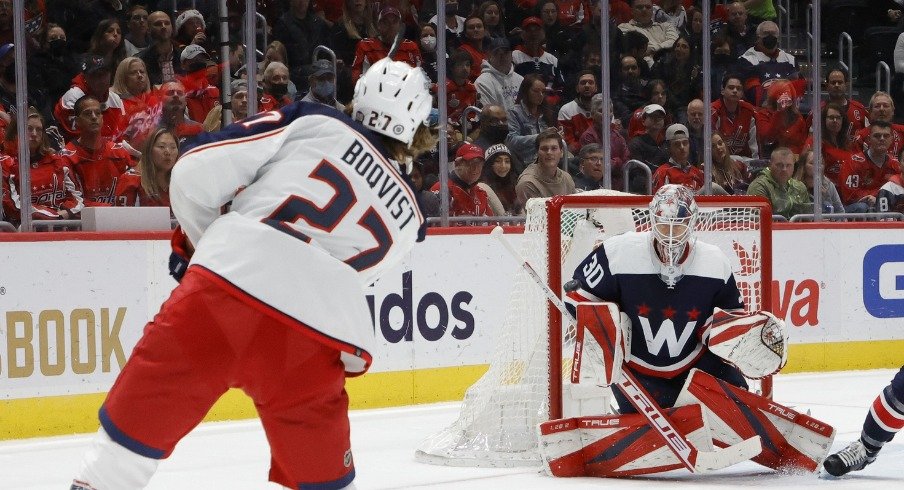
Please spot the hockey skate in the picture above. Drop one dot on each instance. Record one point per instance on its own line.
(855, 457)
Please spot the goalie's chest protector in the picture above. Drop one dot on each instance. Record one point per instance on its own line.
(666, 324)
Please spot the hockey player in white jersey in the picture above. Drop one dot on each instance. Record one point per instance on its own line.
(664, 309)
(287, 216)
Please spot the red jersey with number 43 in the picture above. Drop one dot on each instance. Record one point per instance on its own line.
(300, 209)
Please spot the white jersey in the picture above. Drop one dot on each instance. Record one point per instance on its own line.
(314, 211)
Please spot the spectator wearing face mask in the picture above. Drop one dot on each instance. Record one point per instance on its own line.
(322, 81)
(427, 43)
(765, 63)
(52, 68)
(275, 83)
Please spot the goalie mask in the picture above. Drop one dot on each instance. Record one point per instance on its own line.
(673, 215)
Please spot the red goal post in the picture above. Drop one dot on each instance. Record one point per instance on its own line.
(742, 224)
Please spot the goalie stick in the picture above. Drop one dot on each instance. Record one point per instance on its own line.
(692, 459)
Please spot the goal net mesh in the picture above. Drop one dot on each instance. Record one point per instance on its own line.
(497, 425)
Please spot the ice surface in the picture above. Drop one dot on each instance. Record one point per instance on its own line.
(234, 455)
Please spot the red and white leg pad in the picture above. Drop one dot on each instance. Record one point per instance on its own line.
(791, 440)
(602, 343)
(618, 445)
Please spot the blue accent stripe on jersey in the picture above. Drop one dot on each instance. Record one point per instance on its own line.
(124, 440)
(289, 113)
(330, 485)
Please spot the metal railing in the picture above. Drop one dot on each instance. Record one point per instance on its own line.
(7, 227)
(845, 40)
(882, 67)
(644, 167)
(463, 120)
(783, 9)
(798, 218)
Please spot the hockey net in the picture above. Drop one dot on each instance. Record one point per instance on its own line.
(528, 378)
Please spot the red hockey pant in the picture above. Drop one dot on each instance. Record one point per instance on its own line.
(208, 338)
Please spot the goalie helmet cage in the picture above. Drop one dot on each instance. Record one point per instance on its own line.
(497, 424)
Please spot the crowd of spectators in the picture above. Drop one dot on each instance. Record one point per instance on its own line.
(115, 87)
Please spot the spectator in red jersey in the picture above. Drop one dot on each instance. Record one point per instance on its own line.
(373, 49)
(460, 92)
(866, 172)
(95, 81)
(200, 95)
(163, 55)
(148, 184)
(473, 44)
(107, 41)
(780, 122)
(172, 114)
(275, 82)
(837, 88)
(466, 197)
(132, 85)
(735, 119)
(882, 108)
(96, 162)
(730, 175)
(53, 190)
(678, 169)
(656, 93)
(575, 116)
(836, 147)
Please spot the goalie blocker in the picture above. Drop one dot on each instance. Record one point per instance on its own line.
(709, 412)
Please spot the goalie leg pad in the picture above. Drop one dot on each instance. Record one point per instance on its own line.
(618, 445)
(600, 334)
(791, 440)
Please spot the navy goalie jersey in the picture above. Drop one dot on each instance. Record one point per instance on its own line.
(666, 324)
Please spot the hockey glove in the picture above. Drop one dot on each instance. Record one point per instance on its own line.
(181, 254)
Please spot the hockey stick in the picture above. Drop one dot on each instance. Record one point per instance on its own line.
(396, 43)
(692, 459)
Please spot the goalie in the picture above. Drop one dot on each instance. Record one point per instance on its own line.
(668, 305)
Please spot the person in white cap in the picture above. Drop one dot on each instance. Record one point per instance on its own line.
(647, 147)
(285, 219)
(190, 28)
(679, 169)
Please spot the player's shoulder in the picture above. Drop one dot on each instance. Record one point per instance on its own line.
(629, 253)
(709, 261)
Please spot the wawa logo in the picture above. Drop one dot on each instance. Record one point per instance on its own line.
(795, 301)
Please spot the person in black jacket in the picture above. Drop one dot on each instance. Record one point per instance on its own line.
(300, 30)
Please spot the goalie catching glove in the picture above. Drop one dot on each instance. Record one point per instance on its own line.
(757, 343)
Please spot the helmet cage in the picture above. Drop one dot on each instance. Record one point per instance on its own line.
(673, 214)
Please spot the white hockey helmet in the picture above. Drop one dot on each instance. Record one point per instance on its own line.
(673, 215)
(393, 99)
